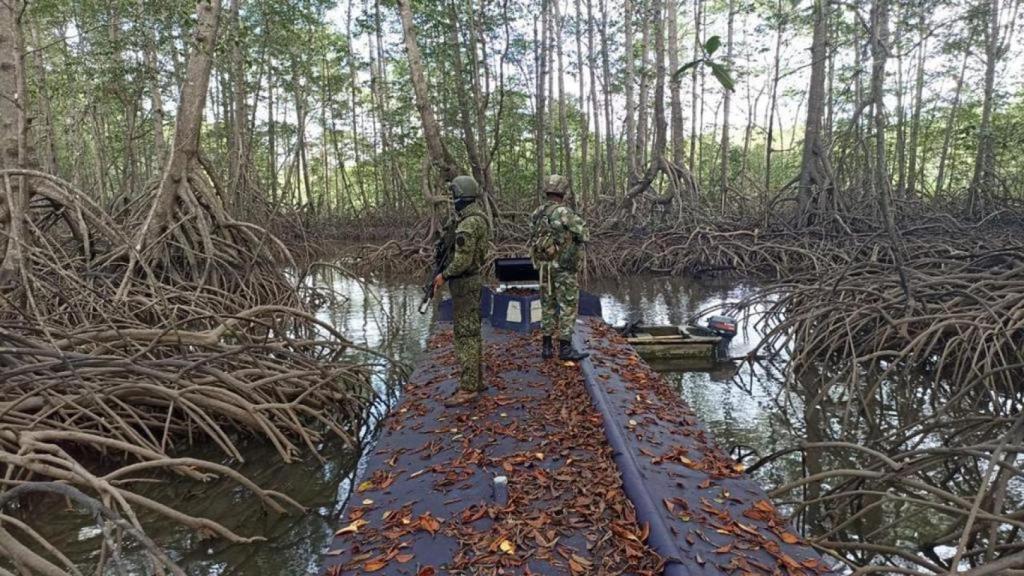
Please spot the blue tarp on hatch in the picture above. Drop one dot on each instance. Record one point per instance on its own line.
(521, 311)
(517, 310)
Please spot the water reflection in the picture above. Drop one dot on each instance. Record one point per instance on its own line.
(741, 402)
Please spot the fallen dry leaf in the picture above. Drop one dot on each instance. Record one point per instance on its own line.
(352, 528)
(581, 561)
(429, 523)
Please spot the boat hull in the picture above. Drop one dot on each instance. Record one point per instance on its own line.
(663, 343)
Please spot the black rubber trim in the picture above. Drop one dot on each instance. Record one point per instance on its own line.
(659, 538)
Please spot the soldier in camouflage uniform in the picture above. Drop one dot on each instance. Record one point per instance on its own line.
(472, 238)
(559, 234)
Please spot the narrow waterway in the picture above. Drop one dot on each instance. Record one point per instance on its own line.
(740, 402)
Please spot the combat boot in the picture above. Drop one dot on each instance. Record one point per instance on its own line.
(546, 349)
(567, 352)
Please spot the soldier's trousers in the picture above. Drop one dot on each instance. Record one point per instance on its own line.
(466, 316)
(559, 300)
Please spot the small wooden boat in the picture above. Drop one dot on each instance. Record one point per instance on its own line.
(660, 343)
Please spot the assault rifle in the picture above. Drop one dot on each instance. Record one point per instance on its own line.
(443, 251)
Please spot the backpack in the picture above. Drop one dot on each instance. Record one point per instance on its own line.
(545, 239)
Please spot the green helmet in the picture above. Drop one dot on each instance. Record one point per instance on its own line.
(556, 185)
(464, 187)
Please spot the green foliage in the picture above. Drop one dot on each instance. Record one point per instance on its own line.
(345, 65)
(719, 70)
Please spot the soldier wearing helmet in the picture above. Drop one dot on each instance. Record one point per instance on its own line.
(472, 239)
(558, 234)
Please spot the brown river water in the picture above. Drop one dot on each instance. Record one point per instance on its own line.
(741, 403)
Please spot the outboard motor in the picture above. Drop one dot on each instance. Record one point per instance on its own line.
(724, 326)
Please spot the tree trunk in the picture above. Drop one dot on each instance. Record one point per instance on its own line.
(858, 81)
(698, 51)
(830, 100)
(629, 56)
(13, 138)
(128, 104)
(99, 160)
(156, 101)
(185, 149)
(584, 179)
(539, 126)
(238, 163)
(772, 102)
(354, 109)
(390, 167)
(702, 99)
(879, 54)
(915, 122)
(597, 185)
(642, 132)
(609, 127)
(658, 160)
(329, 196)
(984, 181)
(480, 99)
(50, 157)
(300, 131)
(814, 176)
(271, 137)
(901, 115)
(382, 195)
(947, 137)
(466, 123)
(563, 117)
(551, 140)
(678, 155)
(726, 102)
(440, 158)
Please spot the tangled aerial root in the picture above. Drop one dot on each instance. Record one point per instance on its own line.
(960, 319)
(132, 357)
(911, 402)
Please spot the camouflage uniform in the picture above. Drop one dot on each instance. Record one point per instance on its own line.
(472, 236)
(559, 289)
